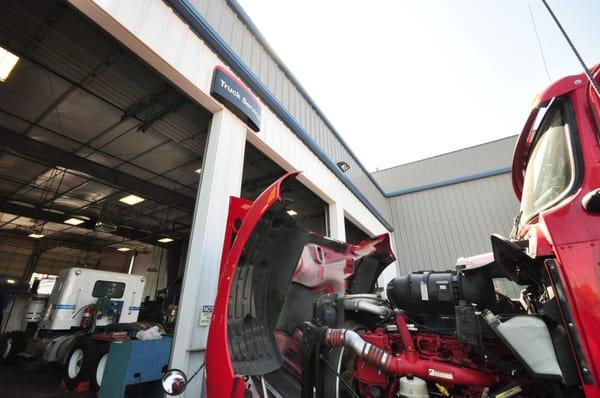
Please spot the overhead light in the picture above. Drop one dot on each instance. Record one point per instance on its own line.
(343, 166)
(292, 212)
(198, 171)
(165, 240)
(131, 200)
(101, 226)
(73, 221)
(35, 235)
(124, 249)
(11, 281)
(8, 61)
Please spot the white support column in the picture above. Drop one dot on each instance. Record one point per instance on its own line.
(221, 178)
(337, 227)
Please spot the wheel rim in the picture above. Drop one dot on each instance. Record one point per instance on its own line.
(339, 371)
(75, 363)
(343, 369)
(100, 369)
(7, 348)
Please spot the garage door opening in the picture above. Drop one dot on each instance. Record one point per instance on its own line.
(260, 172)
(100, 161)
(354, 234)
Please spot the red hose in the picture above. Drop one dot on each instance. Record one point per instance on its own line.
(407, 362)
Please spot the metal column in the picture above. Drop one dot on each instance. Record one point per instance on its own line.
(337, 228)
(221, 178)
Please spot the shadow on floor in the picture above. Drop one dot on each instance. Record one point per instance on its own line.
(42, 380)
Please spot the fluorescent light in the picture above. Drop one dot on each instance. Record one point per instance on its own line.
(165, 240)
(8, 61)
(124, 249)
(292, 212)
(131, 200)
(35, 235)
(73, 221)
(11, 281)
(198, 171)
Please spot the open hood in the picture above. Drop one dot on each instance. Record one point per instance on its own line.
(272, 272)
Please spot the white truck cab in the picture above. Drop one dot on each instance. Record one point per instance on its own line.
(77, 288)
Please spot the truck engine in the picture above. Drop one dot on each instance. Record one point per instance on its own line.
(451, 334)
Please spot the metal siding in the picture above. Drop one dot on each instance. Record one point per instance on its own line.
(247, 43)
(226, 24)
(433, 228)
(485, 157)
(236, 36)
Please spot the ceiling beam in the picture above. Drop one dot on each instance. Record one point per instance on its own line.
(50, 243)
(53, 156)
(49, 216)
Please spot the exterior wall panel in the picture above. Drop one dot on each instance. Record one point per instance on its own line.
(485, 157)
(434, 227)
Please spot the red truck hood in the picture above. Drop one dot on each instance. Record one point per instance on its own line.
(266, 257)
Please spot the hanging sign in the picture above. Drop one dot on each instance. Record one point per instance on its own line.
(236, 97)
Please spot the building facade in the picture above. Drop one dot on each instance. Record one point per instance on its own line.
(139, 97)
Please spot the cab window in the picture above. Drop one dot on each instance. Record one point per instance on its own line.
(109, 289)
(550, 169)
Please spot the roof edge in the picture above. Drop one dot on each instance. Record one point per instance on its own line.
(446, 153)
(450, 181)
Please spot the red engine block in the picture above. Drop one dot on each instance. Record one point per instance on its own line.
(422, 346)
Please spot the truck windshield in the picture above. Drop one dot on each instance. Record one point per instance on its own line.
(550, 169)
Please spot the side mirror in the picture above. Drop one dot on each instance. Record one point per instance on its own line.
(174, 382)
(591, 201)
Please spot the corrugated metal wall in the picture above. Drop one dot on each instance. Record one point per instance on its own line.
(264, 65)
(434, 227)
(464, 162)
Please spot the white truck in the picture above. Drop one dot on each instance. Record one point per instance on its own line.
(86, 309)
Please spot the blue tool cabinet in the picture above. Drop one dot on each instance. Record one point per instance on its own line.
(132, 362)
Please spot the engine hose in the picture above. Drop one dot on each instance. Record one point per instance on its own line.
(362, 305)
(406, 362)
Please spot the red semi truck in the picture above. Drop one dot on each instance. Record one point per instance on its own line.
(296, 313)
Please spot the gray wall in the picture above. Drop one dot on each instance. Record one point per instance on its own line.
(434, 227)
(486, 157)
(252, 48)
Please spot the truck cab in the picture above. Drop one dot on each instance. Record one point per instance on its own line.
(556, 177)
(76, 288)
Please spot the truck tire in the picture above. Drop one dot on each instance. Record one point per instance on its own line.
(11, 344)
(99, 365)
(80, 362)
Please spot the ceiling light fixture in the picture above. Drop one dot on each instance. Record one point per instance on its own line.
(292, 212)
(124, 249)
(198, 171)
(131, 200)
(11, 281)
(8, 61)
(74, 221)
(35, 235)
(165, 240)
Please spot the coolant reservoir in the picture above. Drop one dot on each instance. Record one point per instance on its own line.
(412, 387)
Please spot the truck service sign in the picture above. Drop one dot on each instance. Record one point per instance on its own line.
(236, 97)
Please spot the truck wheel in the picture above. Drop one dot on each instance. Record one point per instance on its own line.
(338, 382)
(98, 371)
(10, 345)
(80, 362)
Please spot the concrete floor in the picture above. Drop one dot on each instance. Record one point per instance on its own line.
(27, 379)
